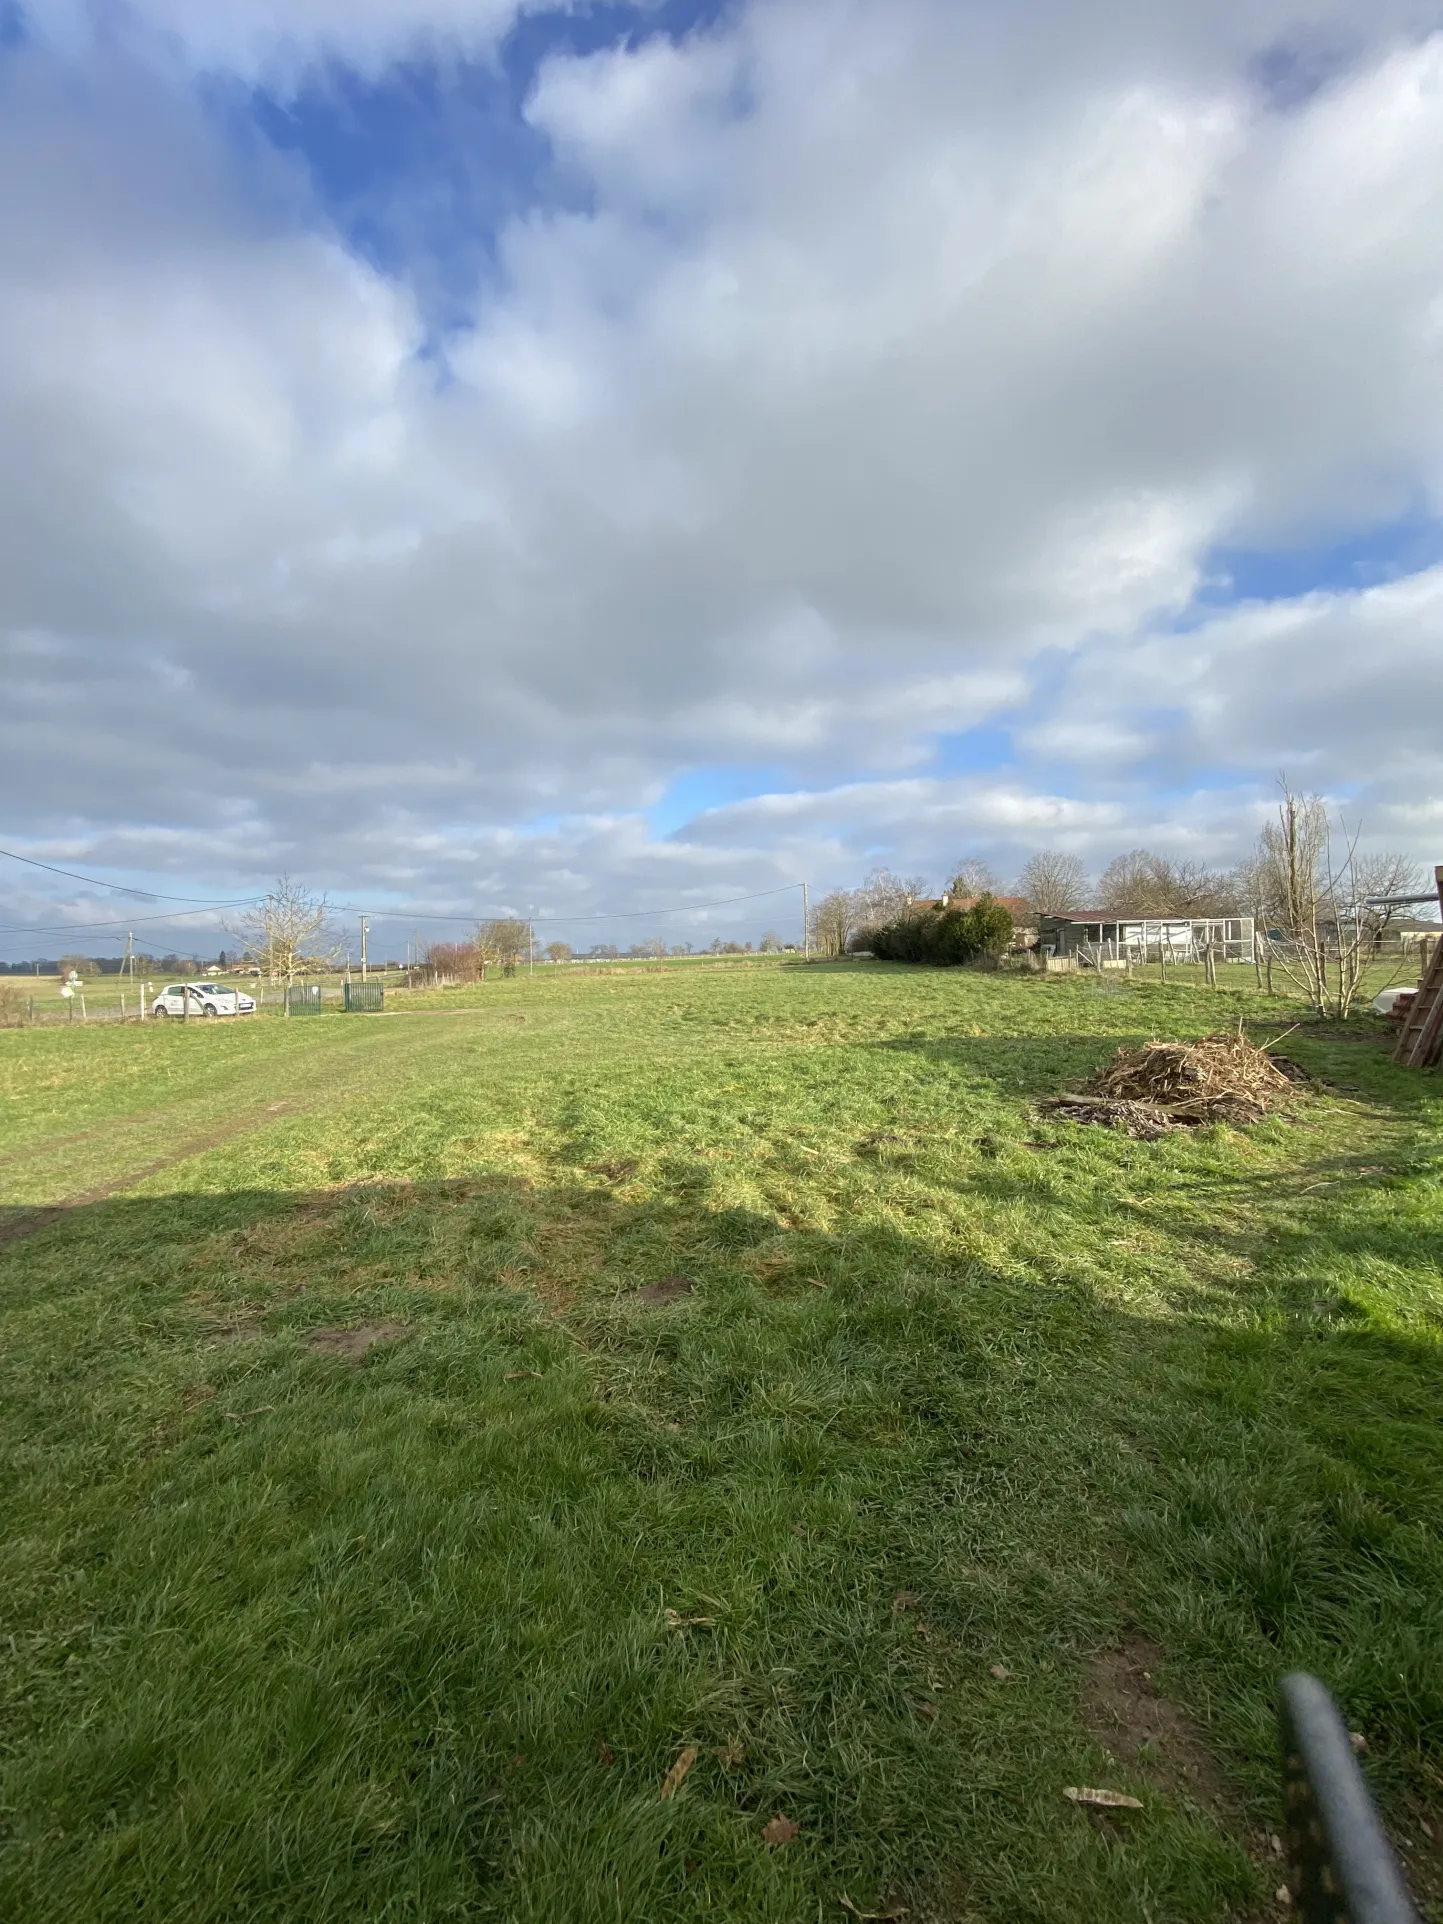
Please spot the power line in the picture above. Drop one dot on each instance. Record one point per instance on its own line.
(616, 915)
(126, 922)
(350, 908)
(119, 888)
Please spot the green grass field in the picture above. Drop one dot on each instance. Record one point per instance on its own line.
(984, 1456)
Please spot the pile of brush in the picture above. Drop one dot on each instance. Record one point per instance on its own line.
(1179, 1085)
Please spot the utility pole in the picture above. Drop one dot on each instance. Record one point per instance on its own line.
(530, 948)
(365, 931)
(806, 928)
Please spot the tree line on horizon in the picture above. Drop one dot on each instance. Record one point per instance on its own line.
(1304, 879)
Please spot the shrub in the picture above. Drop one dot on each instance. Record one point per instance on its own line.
(945, 938)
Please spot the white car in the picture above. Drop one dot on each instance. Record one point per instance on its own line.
(202, 998)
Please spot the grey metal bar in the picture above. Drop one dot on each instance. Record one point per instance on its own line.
(1342, 1870)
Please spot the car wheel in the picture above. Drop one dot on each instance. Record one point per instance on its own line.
(160, 1014)
(211, 1011)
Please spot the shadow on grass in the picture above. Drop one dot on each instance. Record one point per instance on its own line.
(420, 1636)
(1356, 1062)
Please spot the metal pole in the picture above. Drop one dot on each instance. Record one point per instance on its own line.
(806, 928)
(365, 931)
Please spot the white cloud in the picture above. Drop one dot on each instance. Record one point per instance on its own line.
(901, 375)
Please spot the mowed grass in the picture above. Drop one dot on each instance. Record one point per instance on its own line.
(961, 1400)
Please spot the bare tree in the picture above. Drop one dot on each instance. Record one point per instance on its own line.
(1145, 883)
(505, 940)
(1053, 883)
(1309, 880)
(446, 962)
(1381, 876)
(289, 933)
(832, 922)
(884, 898)
(974, 877)
(771, 943)
(558, 951)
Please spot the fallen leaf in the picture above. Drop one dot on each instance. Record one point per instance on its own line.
(1103, 1799)
(1283, 1894)
(732, 1754)
(882, 1917)
(927, 1710)
(676, 1776)
(1275, 1844)
(817, 1283)
(905, 1600)
(604, 1753)
(781, 1830)
(674, 1621)
(1000, 1672)
(1357, 1740)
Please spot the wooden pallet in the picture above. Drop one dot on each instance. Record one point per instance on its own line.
(1420, 1044)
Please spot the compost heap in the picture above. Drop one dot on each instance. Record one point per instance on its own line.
(1177, 1085)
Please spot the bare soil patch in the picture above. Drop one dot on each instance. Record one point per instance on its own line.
(1127, 1713)
(620, 1171)
(669, 1290)
(353, 1344)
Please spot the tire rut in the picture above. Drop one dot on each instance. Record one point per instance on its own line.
(27, 1222)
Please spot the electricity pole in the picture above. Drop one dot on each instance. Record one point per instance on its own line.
(806, 928)
(365, 931)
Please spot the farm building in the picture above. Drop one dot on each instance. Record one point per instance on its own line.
(1095, 937)
(1408, 932)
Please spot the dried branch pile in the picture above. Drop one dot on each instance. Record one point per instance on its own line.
(1178, 1085)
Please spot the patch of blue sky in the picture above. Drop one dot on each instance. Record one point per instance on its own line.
(696, 790)
(422, 167)
(1290, 73)
(1364, 560)
(974, 751)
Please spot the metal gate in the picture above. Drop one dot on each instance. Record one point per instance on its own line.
(304, 999)
(365, 996)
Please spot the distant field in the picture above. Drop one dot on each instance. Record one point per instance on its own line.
(102, 996)
(973, 1456)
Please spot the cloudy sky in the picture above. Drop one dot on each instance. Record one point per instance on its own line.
(482, 456)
